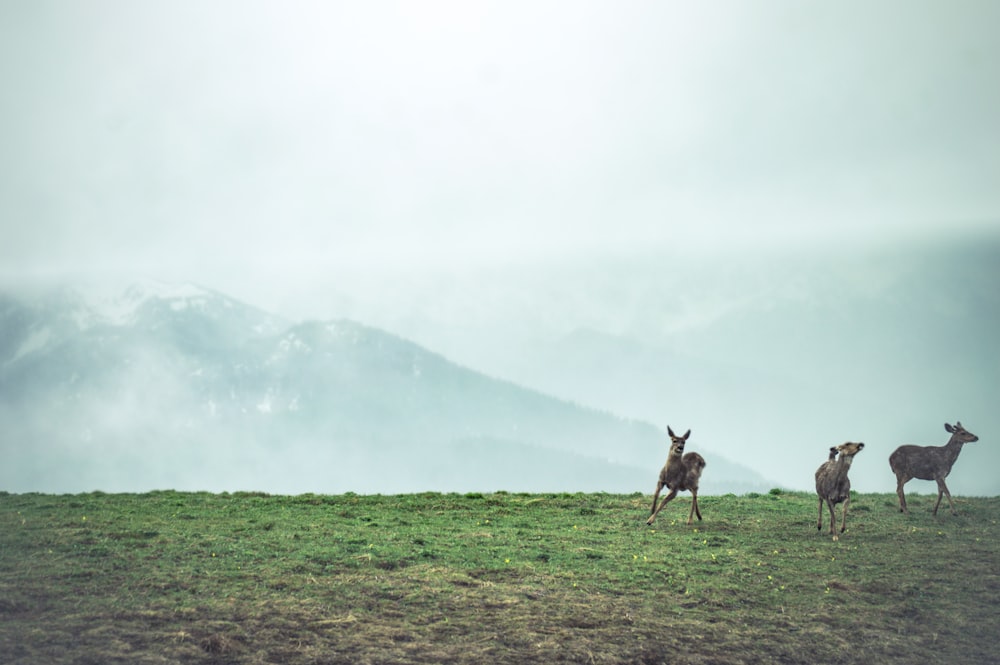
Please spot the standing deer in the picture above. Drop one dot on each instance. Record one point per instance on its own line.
(680, 473)
(929, 463)
(833, 486)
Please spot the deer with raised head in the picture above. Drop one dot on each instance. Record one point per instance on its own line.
(680, 473)
(833, 486)
(929, 463)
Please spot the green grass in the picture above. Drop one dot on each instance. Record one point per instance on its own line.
(171, 577)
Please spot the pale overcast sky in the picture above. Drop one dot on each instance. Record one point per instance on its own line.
(229, 142)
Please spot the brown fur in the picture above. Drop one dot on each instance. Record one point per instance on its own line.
(680, 473)
(929, 463)
(833, 486)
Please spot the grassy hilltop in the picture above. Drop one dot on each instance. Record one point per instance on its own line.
(171, 577)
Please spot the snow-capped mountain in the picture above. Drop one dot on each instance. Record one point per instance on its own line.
(182, 387)
(32, 324)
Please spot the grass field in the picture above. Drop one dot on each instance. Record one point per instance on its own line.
(171, 577)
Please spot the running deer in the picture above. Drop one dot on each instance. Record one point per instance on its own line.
(680, 473)
(929, 463)
(833, 486)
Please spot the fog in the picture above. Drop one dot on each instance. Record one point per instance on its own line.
(776, 224)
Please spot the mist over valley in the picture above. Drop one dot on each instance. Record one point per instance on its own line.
(182, 387)
(179, 386)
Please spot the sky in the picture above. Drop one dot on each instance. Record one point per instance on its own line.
(477, 175)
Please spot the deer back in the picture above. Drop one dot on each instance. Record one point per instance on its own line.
(832, 481)
(925, 462)
(685, 472)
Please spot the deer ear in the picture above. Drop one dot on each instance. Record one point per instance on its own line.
(670, 431)
(948, 428)
(686, 435)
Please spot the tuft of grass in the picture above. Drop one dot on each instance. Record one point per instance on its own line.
(507, 578)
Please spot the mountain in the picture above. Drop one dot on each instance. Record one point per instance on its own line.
(182, 387)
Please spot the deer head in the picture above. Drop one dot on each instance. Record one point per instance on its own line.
(677, 442)
(959, 433)
(848, 449)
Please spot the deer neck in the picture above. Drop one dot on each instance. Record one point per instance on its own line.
(675, 463)
(844, 463)
(953, 448)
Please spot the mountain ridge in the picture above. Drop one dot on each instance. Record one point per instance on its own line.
(228, 387)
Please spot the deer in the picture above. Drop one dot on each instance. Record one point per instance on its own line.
(929, 463)
(833, 486)
(680, 473)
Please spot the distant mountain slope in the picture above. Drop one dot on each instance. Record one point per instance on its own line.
(185, 388)
(795, 358)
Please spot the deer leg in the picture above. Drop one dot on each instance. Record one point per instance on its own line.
(900, 481)
(951, 504)
(943, 489)
(694, 506)
(665, 501)
(656, 495)
(819, 520)
(843, 523)
(832, 507)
